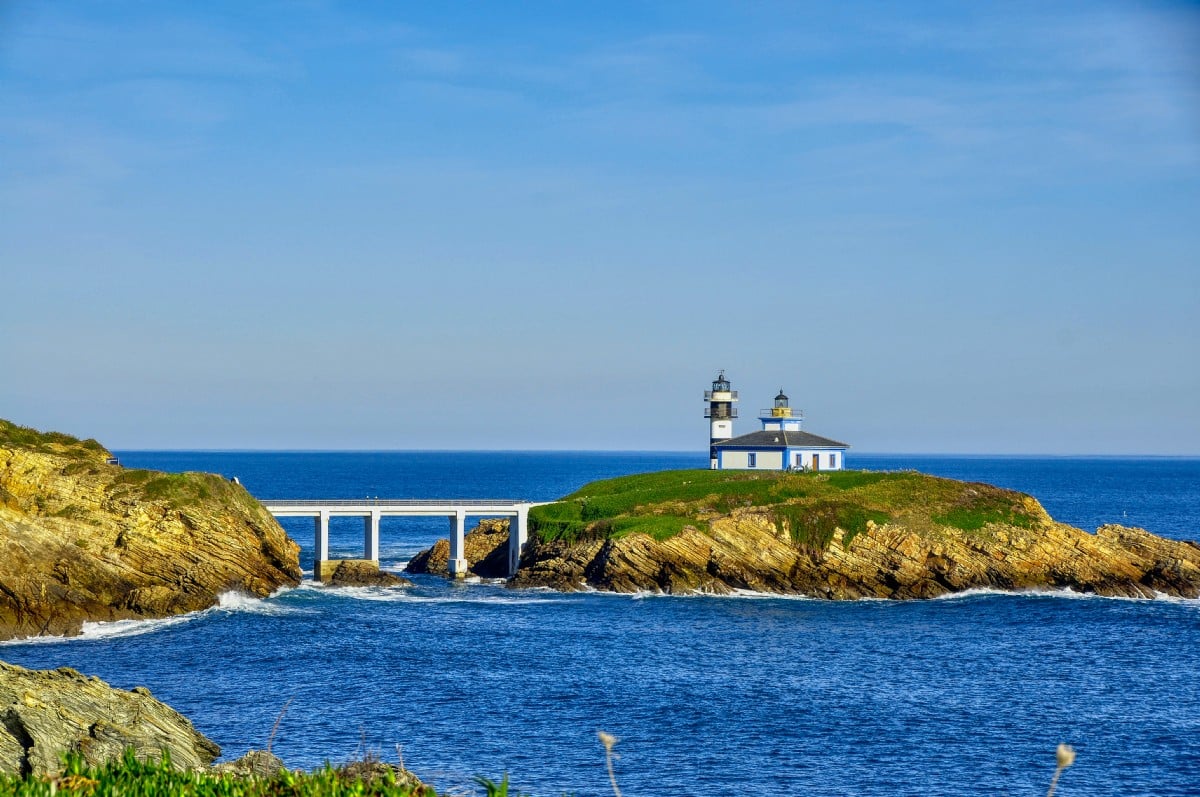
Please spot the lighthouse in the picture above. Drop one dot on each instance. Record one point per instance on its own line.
(781, 416)
(720, 412)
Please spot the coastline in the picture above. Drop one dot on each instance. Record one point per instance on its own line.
(448, 649)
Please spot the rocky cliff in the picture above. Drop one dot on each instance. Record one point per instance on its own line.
(84, 540)
(840, 535)
(46, 713)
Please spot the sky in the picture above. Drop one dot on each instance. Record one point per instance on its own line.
(940, 227)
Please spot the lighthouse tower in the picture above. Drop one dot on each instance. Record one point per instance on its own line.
(781, 416)
(720, 412)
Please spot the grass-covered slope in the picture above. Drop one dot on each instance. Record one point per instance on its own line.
(809, 506)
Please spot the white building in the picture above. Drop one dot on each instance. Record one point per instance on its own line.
(780, 445)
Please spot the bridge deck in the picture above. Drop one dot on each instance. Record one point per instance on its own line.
(388, 506)
(371, 510)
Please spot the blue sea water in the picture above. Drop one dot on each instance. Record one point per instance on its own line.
(753, 694)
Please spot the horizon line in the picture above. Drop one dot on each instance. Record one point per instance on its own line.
(618, 451)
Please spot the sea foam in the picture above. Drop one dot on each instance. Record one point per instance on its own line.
(227, 603)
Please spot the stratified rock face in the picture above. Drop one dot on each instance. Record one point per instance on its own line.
(83, 540)
(745, 552)
(913, 553)
(485, 548)
(44, 714)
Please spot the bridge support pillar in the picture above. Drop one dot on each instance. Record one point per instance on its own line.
(320, 544)
(458, 532)
(371, 536)
(518, 535)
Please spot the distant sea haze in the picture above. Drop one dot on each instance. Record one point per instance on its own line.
(754, 694)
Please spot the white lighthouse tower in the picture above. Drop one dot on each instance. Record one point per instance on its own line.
(720, 412)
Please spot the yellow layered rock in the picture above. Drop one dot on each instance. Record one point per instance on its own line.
(45, 713)
(84, 540)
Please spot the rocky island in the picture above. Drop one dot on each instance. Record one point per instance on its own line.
(838, 535)
(83, 539)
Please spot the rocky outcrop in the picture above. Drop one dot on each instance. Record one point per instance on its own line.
(44, 714)
(84, 540)
(362, 573)
(485, 548)
(370, 770)
(254, 764)
(746, 551)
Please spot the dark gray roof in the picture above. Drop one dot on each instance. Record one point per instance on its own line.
(780, 438)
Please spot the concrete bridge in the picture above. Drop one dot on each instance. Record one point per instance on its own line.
(372, 509)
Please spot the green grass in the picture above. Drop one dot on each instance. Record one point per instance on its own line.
(812, 526)
(973, 518)
(132, 778)
(809, 507)
(14, 436)
(178, 490)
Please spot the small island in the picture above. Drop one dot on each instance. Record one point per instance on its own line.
(839, 535)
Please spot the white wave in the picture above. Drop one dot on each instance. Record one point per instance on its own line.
(110, 629)
(234, 601)
(978, 592)
(974, 592)
(491, 599)
(749, 593)
(125, 628)
(231, 602)
(364, 593)
(1063, 593)
(470, 591)
(1162, 596)
(733, 594)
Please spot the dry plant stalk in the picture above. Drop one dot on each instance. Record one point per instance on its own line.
(608, 740)
(279, 719)
(1066, 757)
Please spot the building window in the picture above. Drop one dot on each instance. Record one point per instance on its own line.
(751, 460)
(833, 460)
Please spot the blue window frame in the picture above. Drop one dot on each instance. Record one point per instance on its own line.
(752, 460)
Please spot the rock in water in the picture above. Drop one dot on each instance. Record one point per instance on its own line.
(46, 713)
(359, 573)
(485, 549)
(81, 539)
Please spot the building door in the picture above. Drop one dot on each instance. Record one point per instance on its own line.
(816, 462)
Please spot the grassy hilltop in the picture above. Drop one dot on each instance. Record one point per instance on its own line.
(808, 506)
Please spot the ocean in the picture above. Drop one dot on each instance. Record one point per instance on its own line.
(751, 694)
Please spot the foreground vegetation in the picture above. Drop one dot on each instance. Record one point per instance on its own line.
(130, 777)
(809, 506)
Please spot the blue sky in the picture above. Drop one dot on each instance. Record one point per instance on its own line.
(959, 227)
